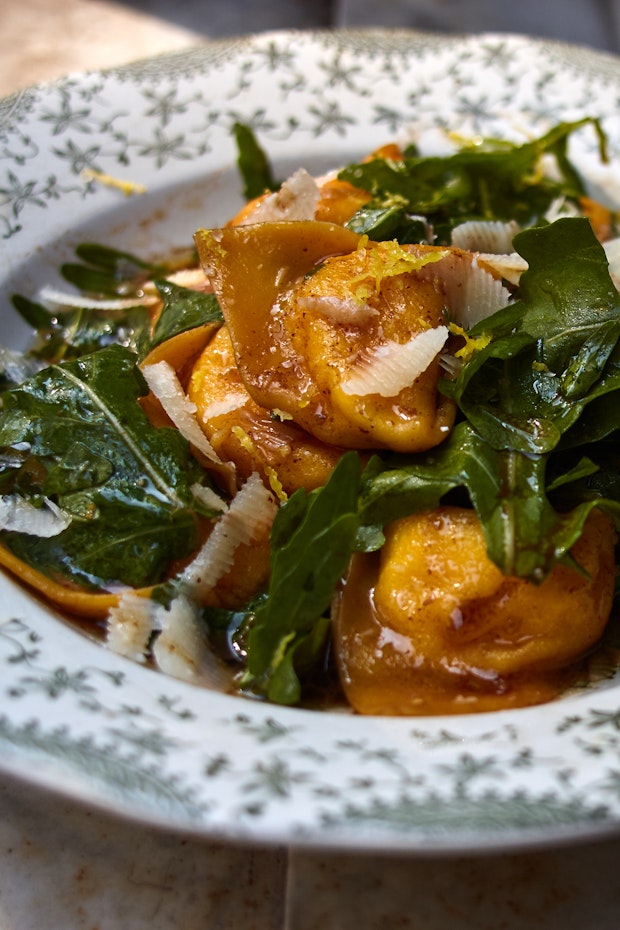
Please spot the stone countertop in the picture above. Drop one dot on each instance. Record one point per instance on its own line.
(65, 867)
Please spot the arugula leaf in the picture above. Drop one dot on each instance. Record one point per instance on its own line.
(77, 332)
(491, 180)
(390, 222)
(107, 271)
(312, 540)
(183, 309)
(553, 351)
(525, 535)
(254, 166)
(76, 433)
(501, 486)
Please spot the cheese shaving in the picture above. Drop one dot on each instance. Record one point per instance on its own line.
(64, 299)
(338, 309)
(218, 408)
(297, 199)
(130, 625)
(208, 497)
(510, 266)
(20, 516)
(181, 649)
(163, 382)
(485, 236)
(612, 252)
(191, 278)
(471, 292)
(394, 366)
(248, 518)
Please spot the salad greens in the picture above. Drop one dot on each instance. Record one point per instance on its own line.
(76, 332)
(522, 453)
(254, 165)
(312, 539)
(182, 310)
(79, 437)
(486, 180)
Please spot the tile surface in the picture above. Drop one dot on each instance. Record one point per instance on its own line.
(64, 867)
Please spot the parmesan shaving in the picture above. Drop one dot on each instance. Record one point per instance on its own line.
(192, 278)
(63, 299)
(485, 236)
(561, 208)
(208, 497)
(612, 251)
(510, 266)
(248, 517)
(297, 199)
(163, 382)
(218, 408)
(180, 649)
(20, 516)
(339, 309)
(471, 292)
(394, 366)
(130, 625)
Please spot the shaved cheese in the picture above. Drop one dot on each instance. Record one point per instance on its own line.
(180, 649)
(297, 199)
(163, 382)
(248, 517)
(472, 293)
(63, 299)
(394, 366)
(218, 408)
(20, 516)
(510, 266)
(612, 251)
(485, 236)
(338, 309)
(332, 175)
(561, 208)
(130, 625)
(208, 497)
(192, 278)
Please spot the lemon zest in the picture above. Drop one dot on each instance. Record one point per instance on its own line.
(127, 187)
(471, 344)
(271, 474)
(388, 259)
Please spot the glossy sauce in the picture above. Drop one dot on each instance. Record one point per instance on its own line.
(456, 636)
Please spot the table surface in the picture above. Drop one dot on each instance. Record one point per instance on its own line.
(65, 867)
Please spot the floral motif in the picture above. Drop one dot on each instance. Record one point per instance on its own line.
(124, 736)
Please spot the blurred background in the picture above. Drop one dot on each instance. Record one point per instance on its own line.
(43, 39)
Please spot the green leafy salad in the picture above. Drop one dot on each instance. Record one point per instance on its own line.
(107, 496)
